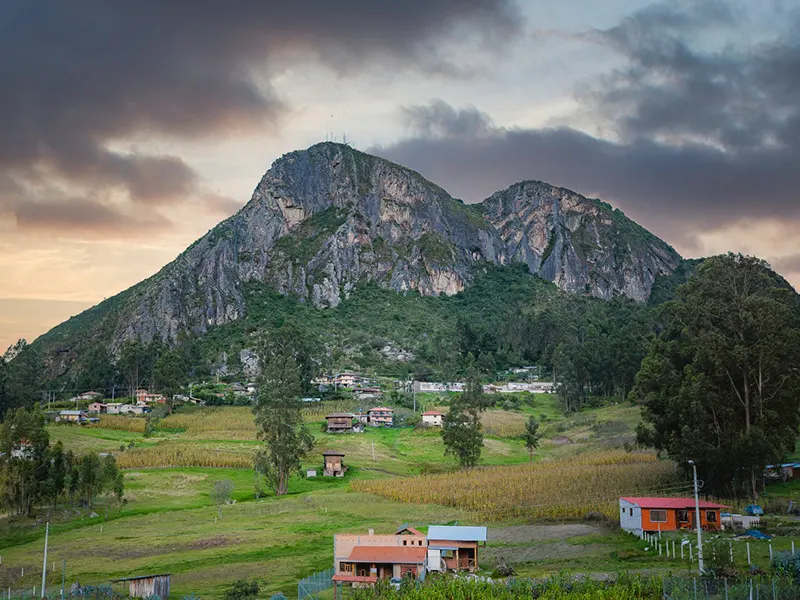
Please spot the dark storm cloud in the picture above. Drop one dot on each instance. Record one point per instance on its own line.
(79, 76)
(703, 138)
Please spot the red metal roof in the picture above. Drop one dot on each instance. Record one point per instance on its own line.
(342, 577)
(389, 554)
(432, 413)
(410, 530)
(679, 503)
(383, 408)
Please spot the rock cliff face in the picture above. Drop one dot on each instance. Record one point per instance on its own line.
(582, 245)
(323, 219)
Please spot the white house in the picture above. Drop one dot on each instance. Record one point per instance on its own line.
(131, 409)
(113, 408)
(432, 418)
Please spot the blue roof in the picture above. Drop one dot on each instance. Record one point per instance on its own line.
(457, 533)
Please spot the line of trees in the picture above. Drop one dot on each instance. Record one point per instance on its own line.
(34, 473)
(721, 384)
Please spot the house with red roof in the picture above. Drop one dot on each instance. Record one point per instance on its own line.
(666, 514)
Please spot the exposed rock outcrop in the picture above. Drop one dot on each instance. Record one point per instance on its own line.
(323, 219)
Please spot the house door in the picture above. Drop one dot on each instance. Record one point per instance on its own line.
(408, 570)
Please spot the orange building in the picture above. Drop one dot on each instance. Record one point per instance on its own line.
(666, 514)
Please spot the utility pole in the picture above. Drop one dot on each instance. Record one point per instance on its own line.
(697, 518)
(44, 564)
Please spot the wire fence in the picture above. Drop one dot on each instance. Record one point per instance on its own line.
(315, 583)
(728, 589)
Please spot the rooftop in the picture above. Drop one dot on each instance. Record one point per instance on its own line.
(389, 554)
(678, 503)
(432, 413)
(341, 416)
(332, 453)
(457, 533)
(384, 408)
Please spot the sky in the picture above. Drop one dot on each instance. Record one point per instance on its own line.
(131, 128)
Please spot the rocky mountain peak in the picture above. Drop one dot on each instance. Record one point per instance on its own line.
(324, 219)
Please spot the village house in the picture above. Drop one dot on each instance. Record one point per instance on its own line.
(432, 418)
(113, 408)
(454, 547)
(97, 407)
(380, 416)
(666, 514)
(333, 464)
(22, 450)
(361, 560)
(90, 396)
(368, 393)
(342, 423)
(132, 409)
(783, 472)
(148, 586)
(347, 379)
(143, 397)
(71, 416)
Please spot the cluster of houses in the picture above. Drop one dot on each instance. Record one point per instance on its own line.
(361, 560)
(142, 401)
(511, 387)
(344, 380)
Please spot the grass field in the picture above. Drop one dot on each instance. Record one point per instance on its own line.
(169, 523)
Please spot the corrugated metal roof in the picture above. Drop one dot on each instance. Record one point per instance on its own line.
(341, 416)
(678, 503)
(332, 453)
(389, 554)
(457, 533)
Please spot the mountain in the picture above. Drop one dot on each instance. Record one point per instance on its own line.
(323, 220)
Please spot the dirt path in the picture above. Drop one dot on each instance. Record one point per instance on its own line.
(519, 534)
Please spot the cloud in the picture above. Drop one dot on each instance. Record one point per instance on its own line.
(699, 137)
(787, 264)
(80, 79)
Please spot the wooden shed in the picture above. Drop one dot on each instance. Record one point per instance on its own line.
(333, 465)
(145, 586)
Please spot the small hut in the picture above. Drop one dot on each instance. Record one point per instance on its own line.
(145, 586)
(333, 464)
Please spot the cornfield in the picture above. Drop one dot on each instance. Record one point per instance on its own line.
(571, 487)
(121, 423)
(168, 454)
(503, 423)
(557, 588)
(214, 423)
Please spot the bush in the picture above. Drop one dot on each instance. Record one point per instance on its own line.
(784, 563)
(242, 589)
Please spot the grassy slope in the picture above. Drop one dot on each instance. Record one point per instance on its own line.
(169, 525)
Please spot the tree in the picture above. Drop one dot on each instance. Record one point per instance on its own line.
(221, 493)
(96, 370)
(24, 459)
(24, 376)
(91, 478)
(56, 473)
(137, 362)
(532, 435)
(285, 368)
(461, 434)
(721, 383)
(169, 375)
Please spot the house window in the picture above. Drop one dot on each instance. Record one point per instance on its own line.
(631, 511)
(683, 516)
(348, 567)
(711, 516)
(658, 516)
(448, 554)
(405, 542)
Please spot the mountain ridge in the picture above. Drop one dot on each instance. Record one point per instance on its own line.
(323, 219)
